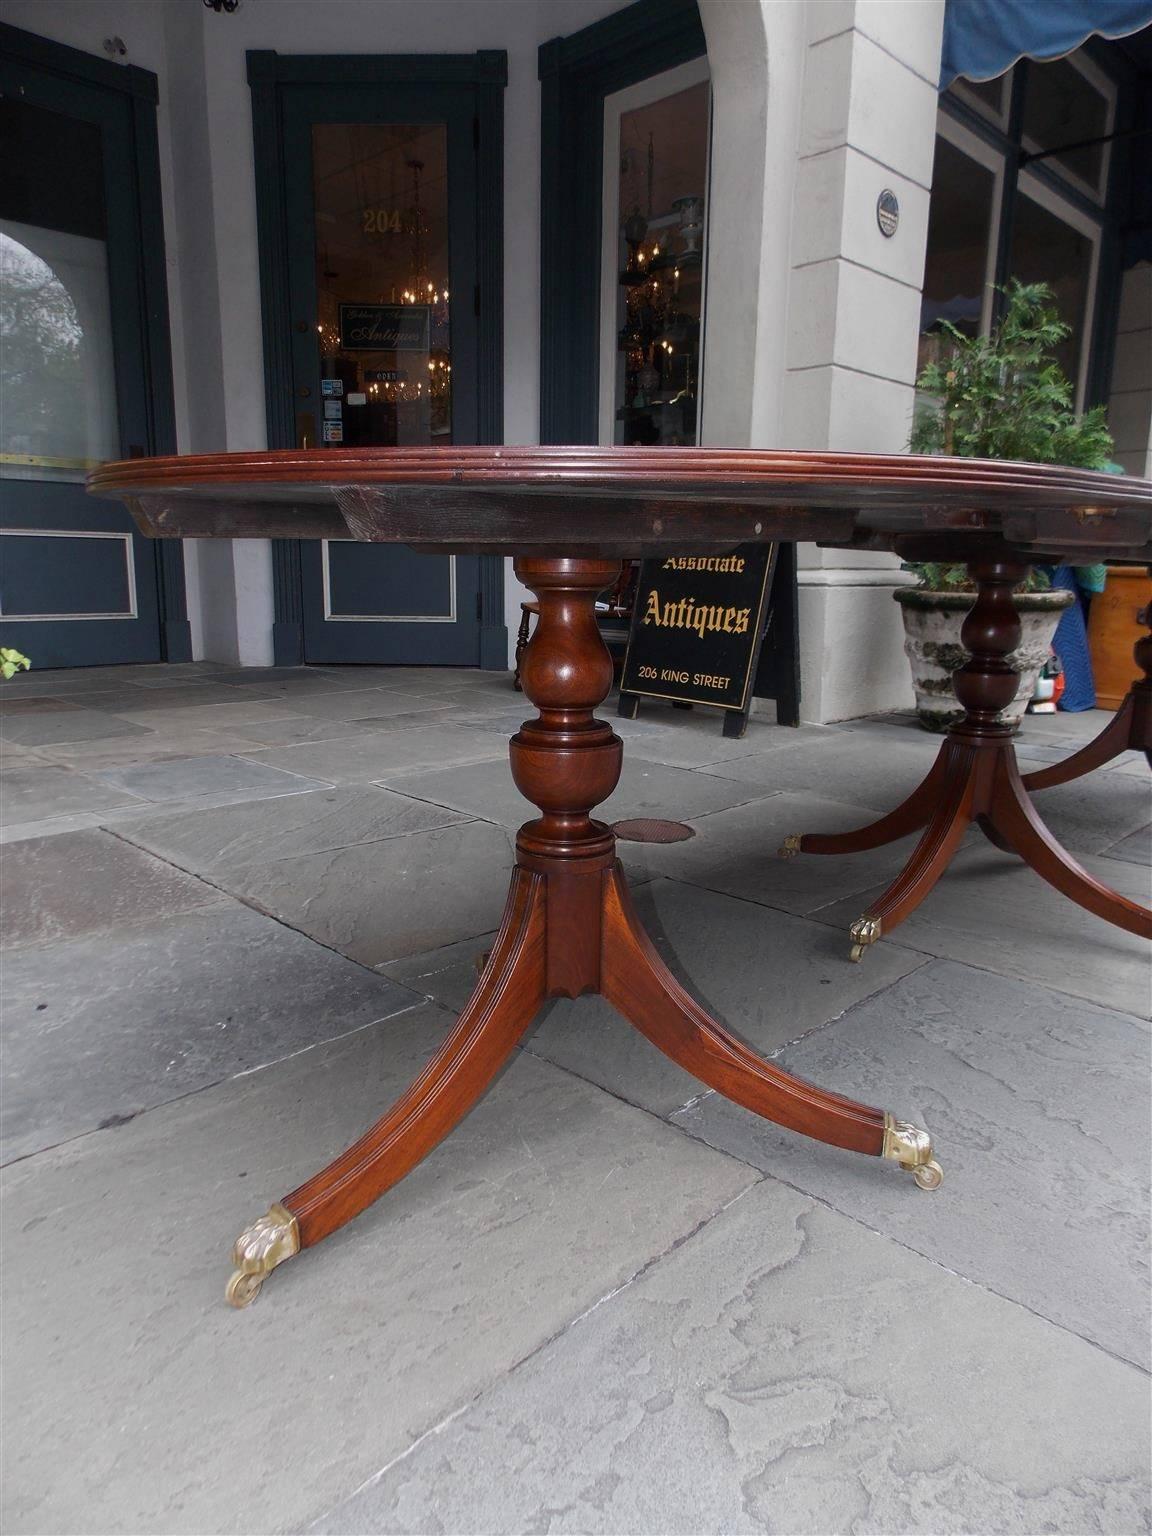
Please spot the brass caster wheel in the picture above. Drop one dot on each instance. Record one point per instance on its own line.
(929, 1175)
(864, 931)
(790, 847)
(259, 1248)
(911, 1147)
(243, 1289)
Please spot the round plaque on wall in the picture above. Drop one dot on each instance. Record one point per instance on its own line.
(887, 212)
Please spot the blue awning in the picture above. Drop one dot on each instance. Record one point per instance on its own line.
(983, 38)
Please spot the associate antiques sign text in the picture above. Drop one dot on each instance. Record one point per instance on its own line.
(384, 327)
(697, 626)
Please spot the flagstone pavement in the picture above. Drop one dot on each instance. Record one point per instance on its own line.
(241, 910)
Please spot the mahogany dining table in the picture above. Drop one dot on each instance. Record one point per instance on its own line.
(569, 516)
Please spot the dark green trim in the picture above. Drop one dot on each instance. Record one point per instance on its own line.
(272, 243)
(268, 74)
(487, 67)
(75, 64)
(577, 73)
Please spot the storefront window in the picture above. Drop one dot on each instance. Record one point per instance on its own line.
(654, 276)
(383, 332)
(989, 97)
(56, 362)
(959, 229)
(1046, 249)
(1063, 107)
(1052, 237)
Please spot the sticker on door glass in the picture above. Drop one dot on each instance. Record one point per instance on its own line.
(332, 387)
(333, 410)
(333, 431)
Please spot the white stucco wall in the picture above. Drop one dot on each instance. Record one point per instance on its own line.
(813, 313)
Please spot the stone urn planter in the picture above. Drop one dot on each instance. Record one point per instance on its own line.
(932, 623)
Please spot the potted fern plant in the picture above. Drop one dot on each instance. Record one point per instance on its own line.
(1000, 396)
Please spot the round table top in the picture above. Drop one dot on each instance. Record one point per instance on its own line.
(636, 501)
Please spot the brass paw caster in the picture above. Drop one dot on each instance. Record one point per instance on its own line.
(259, 1248)
(480, 963)
(911, 1147)
(790, 847)
(864, 931)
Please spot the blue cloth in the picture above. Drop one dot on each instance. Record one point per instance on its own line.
(1070, 643)
(983, 38)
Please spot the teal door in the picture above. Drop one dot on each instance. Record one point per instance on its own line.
(381, 207)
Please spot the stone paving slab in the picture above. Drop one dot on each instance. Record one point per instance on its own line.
(152, 747)
(786, 1370)
(289, 826)
(58, 888)
(138, 698)
(362, 759)
(32, 793)
(1136, 848)
(35, 704)
(378, 901)
(43, 727)
(704, 745)
(877, 771)
(798, 982)
(307, 683)
(370, 703)
(213, 717)
(645, 789)
(737, 852)
(991, 911)
(1137, 765)
(12, 756)
(1033, 754)
(1080, 727)
(1091, 813)
(146, 1404)
(73, 682)
(290, 730)
(189, 777)
(1037, 1104)
(95, 1033)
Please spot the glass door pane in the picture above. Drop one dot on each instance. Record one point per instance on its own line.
(57, 381)
(78, 585)
(957, 258)
(653, 275)
(382, 283)
(1049, 249)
